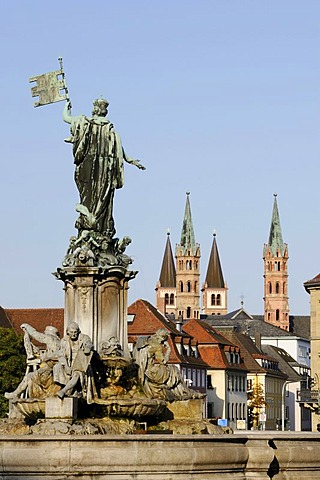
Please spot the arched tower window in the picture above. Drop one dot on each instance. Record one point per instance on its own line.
(181, 286)
(277, 287)
(277, 314)
(188, 287)
(190, 265)
(171, 298)
(218, 299)
(270, 287)
(188, 312)
(166, 299)
(213, 299)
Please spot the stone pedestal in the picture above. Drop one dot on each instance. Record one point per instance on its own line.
(96, 299)
(66, 408)
(187, 409)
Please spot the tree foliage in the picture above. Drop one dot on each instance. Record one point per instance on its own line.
(12, 364)
(256, 398)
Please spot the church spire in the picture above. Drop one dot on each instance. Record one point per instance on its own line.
(214, 278)
(275, 257)
(168, 270)
(275, 237)
(188, 269)
(166, 286)
(214, 289)
(187, 233)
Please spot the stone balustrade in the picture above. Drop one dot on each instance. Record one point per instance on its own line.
(260, 455)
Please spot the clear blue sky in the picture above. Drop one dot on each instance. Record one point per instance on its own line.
(219, 98)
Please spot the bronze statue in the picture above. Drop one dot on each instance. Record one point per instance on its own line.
(98, 157)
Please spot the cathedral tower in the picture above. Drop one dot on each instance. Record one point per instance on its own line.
(214, 289)
(166, 286)
(188, 270)
(275, 257)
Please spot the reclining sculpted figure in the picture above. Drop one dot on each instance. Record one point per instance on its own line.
(158, 378)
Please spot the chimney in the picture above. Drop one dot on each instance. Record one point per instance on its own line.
(179, 323)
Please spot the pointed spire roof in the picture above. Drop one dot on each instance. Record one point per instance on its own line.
(187, 233)
(214, 278)
(168, 270)
(275, 237)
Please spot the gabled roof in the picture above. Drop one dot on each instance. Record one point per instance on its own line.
(251, 353)
(204, 333)
(147, 320)
(214, 277)
(168, 270)
(314, 282)
(286, 362)
(243, 322)
(213, 345)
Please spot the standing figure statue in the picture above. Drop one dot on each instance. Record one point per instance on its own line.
(98, 157)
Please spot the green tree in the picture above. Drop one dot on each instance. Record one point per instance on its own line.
(12, 364)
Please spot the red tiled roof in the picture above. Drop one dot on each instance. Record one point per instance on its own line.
(213, 345)
(147, 320)
(313, 282)
(213, 356)
(204, 333)
(39, 318)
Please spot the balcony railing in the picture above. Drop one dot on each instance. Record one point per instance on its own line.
(308, 396)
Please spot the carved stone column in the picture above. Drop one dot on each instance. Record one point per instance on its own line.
(96, 299)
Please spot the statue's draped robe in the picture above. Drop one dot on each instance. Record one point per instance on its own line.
(98, 158)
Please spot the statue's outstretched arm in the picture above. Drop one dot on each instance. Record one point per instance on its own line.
(128, 159)
(66, 115)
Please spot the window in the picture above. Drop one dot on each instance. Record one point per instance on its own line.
(277, 287)
(213, 299)
(277, 314)
(181, 286)
(284, 288)
(171, 299)
(218, 299)
(210, 409)
(270, 287)
(188, 312)
(166, 299)
(189, 287)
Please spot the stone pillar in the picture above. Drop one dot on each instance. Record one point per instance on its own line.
(96, 299)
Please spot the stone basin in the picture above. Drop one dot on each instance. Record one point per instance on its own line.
(29, 406)
(116, 362)
(131, 407)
